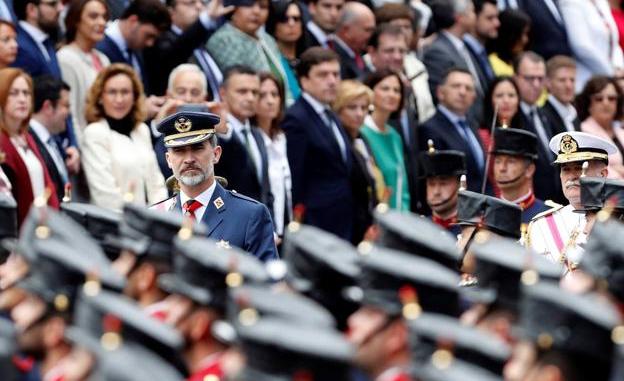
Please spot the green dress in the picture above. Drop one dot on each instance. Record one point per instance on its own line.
(387, 148)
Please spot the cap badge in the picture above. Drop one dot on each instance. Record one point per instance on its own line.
(568, 144)
(218, 203)
(183, 124)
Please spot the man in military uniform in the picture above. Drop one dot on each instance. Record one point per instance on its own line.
(557, 232)
(442, 170)
(514, 154)
(192, 152)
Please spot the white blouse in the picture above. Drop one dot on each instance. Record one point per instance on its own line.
(117, 165)
(33, 165)
(279, 179)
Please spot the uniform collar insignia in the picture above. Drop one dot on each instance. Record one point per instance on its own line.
(218, 203)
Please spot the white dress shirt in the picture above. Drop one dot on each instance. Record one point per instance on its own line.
(113, 31)
(44, 136)
(279, 178)
(203, 198)
(318, 33)
(566, 112)
(36, 173)
(237, 127)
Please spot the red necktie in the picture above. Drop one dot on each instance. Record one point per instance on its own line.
(359, 62)
(190, 207)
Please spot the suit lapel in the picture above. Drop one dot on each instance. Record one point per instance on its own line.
(326, 134)
(218, 204)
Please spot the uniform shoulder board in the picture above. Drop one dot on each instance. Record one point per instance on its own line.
(242, 196)
(553, 208)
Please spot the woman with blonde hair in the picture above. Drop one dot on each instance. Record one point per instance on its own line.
(117, 151)
(19, 156)
(351, 105)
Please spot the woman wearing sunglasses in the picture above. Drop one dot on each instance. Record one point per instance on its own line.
(601, 107)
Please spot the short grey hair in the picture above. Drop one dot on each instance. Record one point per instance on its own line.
(351, 13)
(460, 6)
(183, 68)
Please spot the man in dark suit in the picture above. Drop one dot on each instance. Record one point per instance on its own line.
(191, 26)
(530, 77)
(355, 28)
(6, 11)
(449, 128)
(37, 31)
(325, 15)
(559, 110)
(546, 20)
(229, 217)
(485, 29)
(138, 28)
(453, 19)
(319, 152)
(51, 98)
(244, 162)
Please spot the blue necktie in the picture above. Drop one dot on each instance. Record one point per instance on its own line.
(472, 142)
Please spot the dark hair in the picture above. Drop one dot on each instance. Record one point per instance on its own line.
(478, 4)
(488, 107)
(383, 29)
(375, 77)
(275, 123)
(9, 24)
(149, 12)
(595, 85)
(513, 22)
(74, 13)
(442, 14)
(277, 14)
(528, 55)
(235, 70)
(47, 88)
(454, 69)
(312, 57)
(19, 7)
(393, 11)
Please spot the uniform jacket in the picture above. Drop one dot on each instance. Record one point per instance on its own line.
(236, 219)
(320, 176)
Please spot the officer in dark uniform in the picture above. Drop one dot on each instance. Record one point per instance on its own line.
(192, 152)
(442, 171)
(514, 155)
(395, 286)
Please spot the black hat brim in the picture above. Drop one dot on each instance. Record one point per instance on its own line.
(173, 285)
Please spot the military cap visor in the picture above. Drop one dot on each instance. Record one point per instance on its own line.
(188, 127)
(580, 146)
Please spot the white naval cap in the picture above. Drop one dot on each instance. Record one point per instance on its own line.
(580, 146)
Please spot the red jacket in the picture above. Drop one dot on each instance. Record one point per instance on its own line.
(16, 171)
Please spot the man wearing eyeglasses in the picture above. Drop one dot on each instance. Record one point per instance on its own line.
(530, 77)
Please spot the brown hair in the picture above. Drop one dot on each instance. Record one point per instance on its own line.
(559, 62)
(393, 11)
(275, 123)
(74, 14)
(94, 110)
(9, 24)
(314, 56)
(7, 77)
(595, 85)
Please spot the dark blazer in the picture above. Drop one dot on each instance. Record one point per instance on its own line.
(555, 121)
(364, 192)
(445, 136)
(240, 221)
(16, 171)
(320, 176)
(115, 55)
(55, 175)
(348, 68)
(9, 4)
(410, 151)
(543, 24)
(438, 58)
(31, 59)
(546, 182)
(170, 50)
(239, 170)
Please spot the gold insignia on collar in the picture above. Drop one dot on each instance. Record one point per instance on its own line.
(183, 124)
(223, 244)
(568, 144)
(218, 203)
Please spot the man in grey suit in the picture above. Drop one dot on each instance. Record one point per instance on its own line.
(453, 19)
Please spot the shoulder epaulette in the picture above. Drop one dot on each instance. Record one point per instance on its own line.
(553, 208)
(242, 196)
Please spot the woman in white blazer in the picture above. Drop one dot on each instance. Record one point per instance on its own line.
(79, 61)
(593, 37)
(117, 152)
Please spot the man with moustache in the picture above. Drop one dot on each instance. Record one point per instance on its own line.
(557, 232)
(514, 155)
(442, 171)
(230, 217)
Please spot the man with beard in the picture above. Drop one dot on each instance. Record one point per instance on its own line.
(192, 153)
(514, 155)
(442, 171)
(556, 232)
